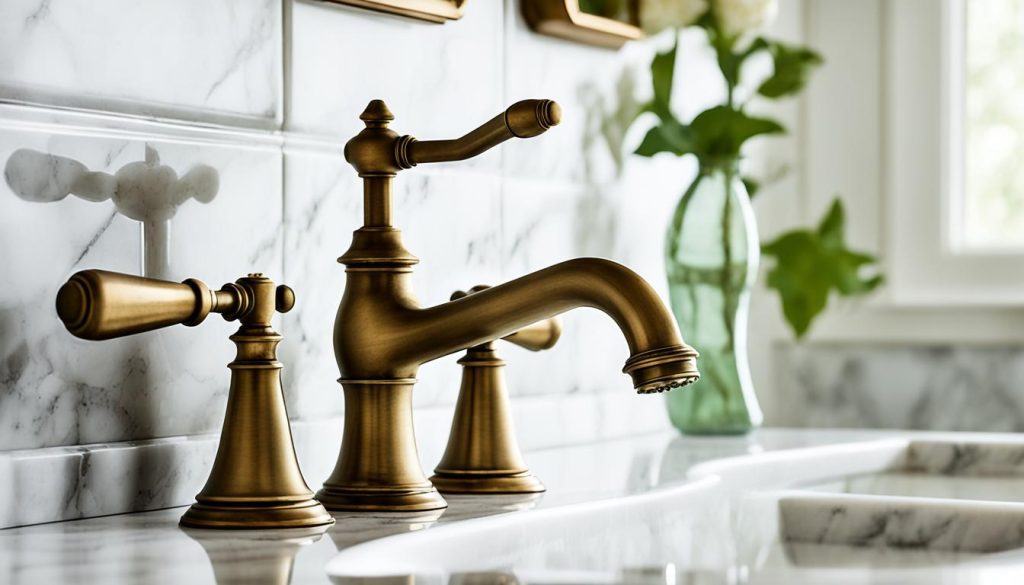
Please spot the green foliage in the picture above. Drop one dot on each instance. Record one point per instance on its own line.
(730, 62)
(669, 136)
(720, 132)
(663, 69)
(752, 186)
(811, 264)
(793, 66)
(717, 133)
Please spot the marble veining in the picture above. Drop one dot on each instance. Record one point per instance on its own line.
(1002, 459)
(875, 521)
(927, 387)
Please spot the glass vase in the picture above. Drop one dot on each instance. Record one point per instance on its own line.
(711, 256)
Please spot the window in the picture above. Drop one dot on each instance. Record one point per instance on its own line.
(918, 121)
(993, 124)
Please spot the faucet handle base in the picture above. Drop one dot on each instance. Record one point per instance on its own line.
(456, 482)
(304, 514)
(483, 455)
(375, 500)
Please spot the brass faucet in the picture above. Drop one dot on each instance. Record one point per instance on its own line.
(382, 335)
(255, 481)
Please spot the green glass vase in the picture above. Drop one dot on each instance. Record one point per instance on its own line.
(711, 256)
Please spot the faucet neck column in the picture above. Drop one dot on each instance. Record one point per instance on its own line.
(377, 200)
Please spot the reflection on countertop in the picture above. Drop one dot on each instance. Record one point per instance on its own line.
(151, 548)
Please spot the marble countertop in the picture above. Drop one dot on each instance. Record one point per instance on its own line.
(151, 548)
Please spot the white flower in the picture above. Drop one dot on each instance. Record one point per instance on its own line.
(657, 15)
(736, 17)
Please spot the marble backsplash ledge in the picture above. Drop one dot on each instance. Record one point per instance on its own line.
(951, 387)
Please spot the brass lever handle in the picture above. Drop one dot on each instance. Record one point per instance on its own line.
(97, 304)
(536, 337)
(524, 119)
(378, 151)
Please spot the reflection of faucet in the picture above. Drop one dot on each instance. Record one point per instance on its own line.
(382, 335)
(264, 557)
(255, 481)
(145, 191)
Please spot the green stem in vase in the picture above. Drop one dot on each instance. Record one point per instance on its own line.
(729, 304)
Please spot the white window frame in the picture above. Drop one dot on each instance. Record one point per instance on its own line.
(923, 166)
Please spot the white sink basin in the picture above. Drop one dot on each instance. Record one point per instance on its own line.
(895, 510)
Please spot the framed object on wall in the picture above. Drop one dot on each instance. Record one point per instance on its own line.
(439, 11)
(605, 23)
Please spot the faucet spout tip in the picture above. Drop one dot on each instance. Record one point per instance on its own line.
(663, 369)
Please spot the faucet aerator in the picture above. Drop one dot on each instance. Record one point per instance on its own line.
(660, 370)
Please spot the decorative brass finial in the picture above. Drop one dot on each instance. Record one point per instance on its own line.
(377, 114)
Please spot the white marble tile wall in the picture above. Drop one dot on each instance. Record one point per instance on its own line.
(187, 59)
(58, 390)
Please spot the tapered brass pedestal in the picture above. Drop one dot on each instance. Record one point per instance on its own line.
(379, 466)
(255, 481)
(483, 455)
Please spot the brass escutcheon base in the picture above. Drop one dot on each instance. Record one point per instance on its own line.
(247, 515)
(397, 500)
(483, 455)
(523, 482)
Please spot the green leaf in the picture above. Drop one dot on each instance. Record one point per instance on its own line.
(831, 229)
(663, 68)
(752, 185)
(793, 66)
(720, 132)
(811, 264)
(669, 136)
(729, 62)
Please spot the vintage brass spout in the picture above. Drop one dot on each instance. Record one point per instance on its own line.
(255, 481)
(382, 335)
